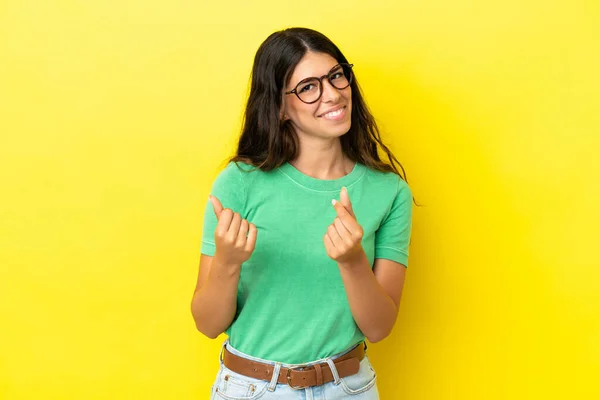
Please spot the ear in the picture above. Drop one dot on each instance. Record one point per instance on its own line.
(282, 114)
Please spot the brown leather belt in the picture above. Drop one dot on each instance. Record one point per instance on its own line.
(298, 377)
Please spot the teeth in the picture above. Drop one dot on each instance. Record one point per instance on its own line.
(333, 113)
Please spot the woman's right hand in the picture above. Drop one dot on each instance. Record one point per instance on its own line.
(235, 238)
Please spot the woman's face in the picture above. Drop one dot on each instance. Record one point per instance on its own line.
(328, 117)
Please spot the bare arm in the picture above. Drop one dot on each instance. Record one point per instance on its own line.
(373, 296)
(215, 298)
(214, 301)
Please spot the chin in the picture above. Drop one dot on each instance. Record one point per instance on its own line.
(341, 130)
(336, 129)
(329, 132)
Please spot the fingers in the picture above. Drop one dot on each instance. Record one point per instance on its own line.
(345, 200)
(339, 208)
(234, 229)
(217, 206)
(329, 246)
(346, 218)
(345, 233)
(251, 240)
(334, 236)
(241, 236)
(246, 238)
(223, 222)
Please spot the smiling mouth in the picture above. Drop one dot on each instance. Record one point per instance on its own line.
(334, 113)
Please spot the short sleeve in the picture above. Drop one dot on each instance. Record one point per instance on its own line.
(393, 236)
(229, 188)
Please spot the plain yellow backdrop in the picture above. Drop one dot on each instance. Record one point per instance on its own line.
(115, 116)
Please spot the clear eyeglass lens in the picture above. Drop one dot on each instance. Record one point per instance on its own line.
(309, 91)
(340, 78)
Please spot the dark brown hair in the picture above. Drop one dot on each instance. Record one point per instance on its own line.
(266, 141)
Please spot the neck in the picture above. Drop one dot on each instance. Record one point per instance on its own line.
(323, 160)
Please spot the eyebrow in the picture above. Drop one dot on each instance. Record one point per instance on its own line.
(316, 77)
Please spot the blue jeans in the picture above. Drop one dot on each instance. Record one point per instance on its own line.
(233, 386)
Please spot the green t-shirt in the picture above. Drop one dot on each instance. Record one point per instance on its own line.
(291, 305)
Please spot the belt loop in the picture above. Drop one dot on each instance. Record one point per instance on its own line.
(275, 377)
(319, 372)
(223, 350)
(336, 377)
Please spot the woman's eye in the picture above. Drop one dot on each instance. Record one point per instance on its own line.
(337, 75)
(307, 88)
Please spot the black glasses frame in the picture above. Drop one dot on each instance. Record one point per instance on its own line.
(328, 76)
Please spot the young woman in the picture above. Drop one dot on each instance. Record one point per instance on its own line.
(306, 234)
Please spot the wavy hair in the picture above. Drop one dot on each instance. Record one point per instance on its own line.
(266, 141)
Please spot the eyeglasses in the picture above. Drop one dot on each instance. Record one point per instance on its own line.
(309, 90)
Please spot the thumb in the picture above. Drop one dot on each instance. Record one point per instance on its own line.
(217, 206)
(345, 200)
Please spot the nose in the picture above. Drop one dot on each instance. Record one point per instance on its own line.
(330, 94)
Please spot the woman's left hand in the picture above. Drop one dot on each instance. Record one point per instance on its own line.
(343, 240)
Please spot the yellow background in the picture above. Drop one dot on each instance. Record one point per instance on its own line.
(116, 115)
